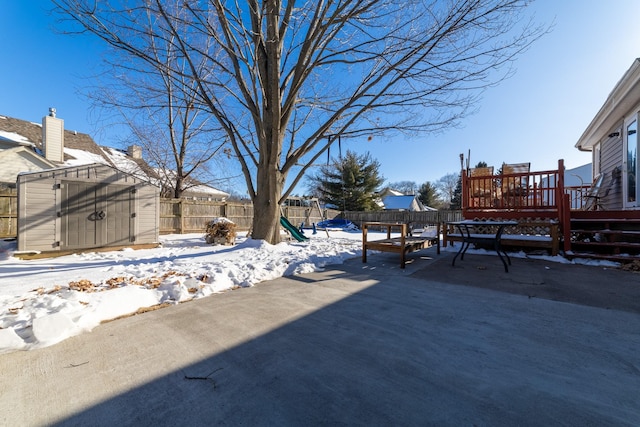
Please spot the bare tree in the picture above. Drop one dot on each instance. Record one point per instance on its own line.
(161, 109)
(446, 186)
(286, 79)
(405, 187)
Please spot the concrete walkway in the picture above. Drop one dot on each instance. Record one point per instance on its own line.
(357, 344)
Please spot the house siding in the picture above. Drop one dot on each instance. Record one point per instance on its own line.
(42, 204)
(610, 158)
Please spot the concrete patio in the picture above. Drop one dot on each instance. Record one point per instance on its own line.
(357, 344)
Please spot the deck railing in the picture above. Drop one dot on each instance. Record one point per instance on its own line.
(514, 195)
(524, 195)
(577, 196)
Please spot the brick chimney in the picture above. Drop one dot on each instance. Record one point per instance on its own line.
(53, 137)
(134, 151)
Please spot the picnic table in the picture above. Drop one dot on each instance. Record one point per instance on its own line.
(402, 245)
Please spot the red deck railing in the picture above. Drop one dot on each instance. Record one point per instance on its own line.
(521, 196)
(514, 195)
(532, 196)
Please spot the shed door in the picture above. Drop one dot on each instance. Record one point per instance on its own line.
(119, 220)
(95, 215)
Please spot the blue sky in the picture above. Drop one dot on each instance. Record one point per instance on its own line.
(535, 116)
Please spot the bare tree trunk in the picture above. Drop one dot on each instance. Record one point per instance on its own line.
(266, 207)
(177, 192)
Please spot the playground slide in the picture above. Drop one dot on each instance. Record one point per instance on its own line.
(293, 230)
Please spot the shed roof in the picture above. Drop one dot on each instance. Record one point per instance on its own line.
(53, 172)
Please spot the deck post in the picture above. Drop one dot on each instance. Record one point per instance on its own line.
(364, 242)
(464, 196)
(566, 222)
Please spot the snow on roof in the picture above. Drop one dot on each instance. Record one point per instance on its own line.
(125, 163)
(206, 189)
(82, 157)
(15, 138)
(199, 188)
(401, 202)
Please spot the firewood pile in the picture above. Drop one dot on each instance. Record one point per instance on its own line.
(220, 231)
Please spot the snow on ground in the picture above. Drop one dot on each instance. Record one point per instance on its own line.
(43, 302)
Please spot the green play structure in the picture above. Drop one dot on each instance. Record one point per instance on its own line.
(293, 230)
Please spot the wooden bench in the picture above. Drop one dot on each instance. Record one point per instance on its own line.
(542, 234)
(402, 245)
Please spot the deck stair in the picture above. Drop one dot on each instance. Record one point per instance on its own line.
(614, 239)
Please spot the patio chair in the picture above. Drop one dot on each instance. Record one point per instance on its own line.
(598, 191)
(482, 191)
(515, 189)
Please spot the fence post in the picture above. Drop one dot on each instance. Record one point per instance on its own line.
(181, 212)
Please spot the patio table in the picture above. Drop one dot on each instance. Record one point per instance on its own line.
(494, 238)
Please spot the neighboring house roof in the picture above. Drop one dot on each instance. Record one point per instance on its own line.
(622, 99)
(79, 149)
(408, 203)
(194, 188)
(134, 166)
(388, 191)
(30, 133)
(203, 190)
(24, 139)
(11, 139)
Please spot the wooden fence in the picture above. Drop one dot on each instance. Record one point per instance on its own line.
(191, 216)
(416, 219)
(8, 213)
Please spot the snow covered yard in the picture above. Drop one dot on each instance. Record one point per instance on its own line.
(45, 301)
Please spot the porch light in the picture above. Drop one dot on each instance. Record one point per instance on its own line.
(614, 134)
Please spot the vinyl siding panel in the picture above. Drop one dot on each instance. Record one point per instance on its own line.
(610, 158)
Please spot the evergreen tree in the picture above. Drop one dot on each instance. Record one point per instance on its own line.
(456, 200)
(428, 195)
(349, 183)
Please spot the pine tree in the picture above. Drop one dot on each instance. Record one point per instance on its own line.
(456, 200)
(428, 195)
(349, 183)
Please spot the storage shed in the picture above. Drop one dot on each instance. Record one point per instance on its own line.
(82, 207)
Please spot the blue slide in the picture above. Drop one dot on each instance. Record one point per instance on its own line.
(293, 230)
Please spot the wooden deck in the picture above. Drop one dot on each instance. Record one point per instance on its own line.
(543, 197)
